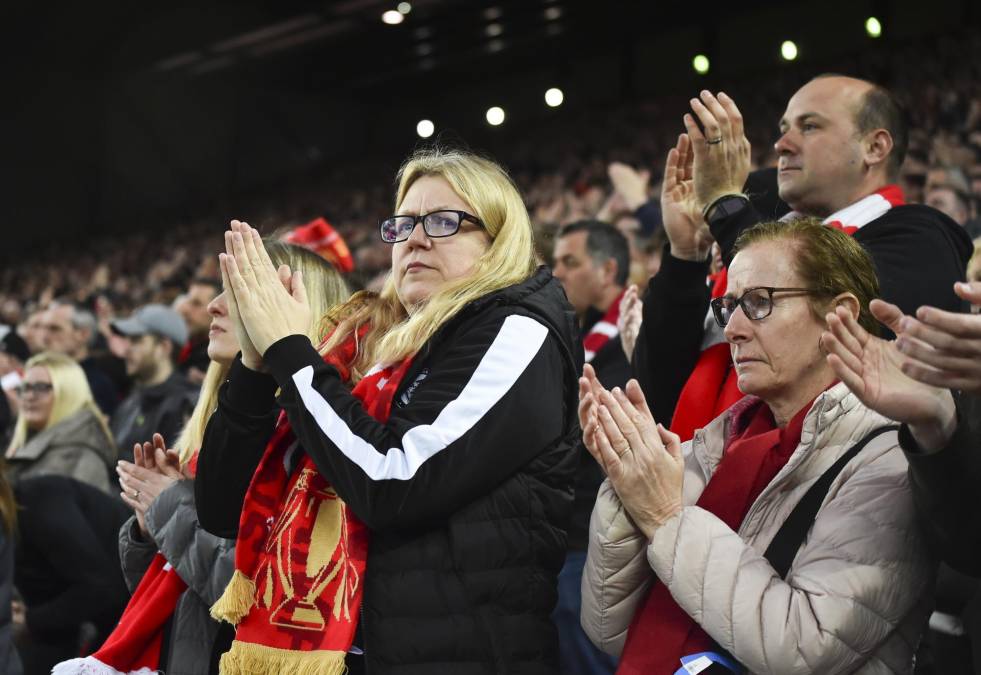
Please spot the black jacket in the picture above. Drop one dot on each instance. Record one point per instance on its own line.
(918, 254)
(162, 408)
(468, 514)
(945, 485)
(67, 564)
(612, 370)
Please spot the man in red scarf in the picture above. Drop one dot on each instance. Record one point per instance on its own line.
(592, 261)
(841, 143)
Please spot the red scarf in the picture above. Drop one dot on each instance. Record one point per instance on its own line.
(134, 645)
(300, 557)
(661, 632)
(712, 387)
(603, 330)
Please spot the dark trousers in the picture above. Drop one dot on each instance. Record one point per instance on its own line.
(577, 655)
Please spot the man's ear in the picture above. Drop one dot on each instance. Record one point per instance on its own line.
(610, 271)
(877, 147)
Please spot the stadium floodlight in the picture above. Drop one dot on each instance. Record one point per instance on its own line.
(873, 27)
(404, 8)
(495, 116)
(700, 63)
(554, 97)
(393, 17)
(788, 50)
(425, 128)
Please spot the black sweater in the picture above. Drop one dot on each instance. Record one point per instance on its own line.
(467, 487)
(918, 254)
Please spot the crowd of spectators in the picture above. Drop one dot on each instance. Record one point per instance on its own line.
(129, 314)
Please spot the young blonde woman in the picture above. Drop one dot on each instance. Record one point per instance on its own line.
(192, 567)
(60, 429)
(453, 454)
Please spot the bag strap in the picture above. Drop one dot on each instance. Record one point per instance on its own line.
(788, 540)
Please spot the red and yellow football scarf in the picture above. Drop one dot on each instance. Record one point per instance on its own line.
(300, 556)
(712, 386)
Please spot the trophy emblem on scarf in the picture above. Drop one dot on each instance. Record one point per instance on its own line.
(304, 569)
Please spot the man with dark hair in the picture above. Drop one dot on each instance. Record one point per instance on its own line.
(840, 145)
(592, 261)
(193, 358)
(162, 398)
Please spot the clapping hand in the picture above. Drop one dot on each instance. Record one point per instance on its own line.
(631, 316)
(154, 469)
(642, 459)
(266, 303)
(722, 152)
(943, 348)
(683, 223)
(885, 379)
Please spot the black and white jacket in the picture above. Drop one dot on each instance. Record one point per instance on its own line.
(467, 487)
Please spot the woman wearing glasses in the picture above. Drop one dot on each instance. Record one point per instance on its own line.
(782, 536)
(59, 430)
(452, 456)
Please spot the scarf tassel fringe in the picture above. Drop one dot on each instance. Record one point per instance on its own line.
(236, 601)
(246, 658)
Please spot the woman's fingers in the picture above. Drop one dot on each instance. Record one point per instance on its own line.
(958, 326)
(886, 313)
(671, 442)
(609, 459)
(831, 344)
(970, 291)
(611, 430)
(851, 379)
(936, 358)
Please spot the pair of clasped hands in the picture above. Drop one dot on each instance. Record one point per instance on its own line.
(265, 304)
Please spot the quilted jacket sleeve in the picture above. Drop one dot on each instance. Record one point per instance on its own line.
(861, 572)
(204, 561)
(616, 576)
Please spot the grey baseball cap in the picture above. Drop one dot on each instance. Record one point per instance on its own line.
(153, 320)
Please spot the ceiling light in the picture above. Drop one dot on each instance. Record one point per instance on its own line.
(554, 97)
(493, 29)
(873, 27)
(553, 13)
(425, 128)
(495, 116)
(404, 8)
(700, 63)
(393, 17)
(788, 50)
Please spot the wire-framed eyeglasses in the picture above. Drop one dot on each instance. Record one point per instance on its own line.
(757, 303)
(443, 223)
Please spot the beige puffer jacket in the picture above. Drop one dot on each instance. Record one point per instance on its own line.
(857, 595)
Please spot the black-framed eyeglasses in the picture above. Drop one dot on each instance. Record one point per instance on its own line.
(757, 303)
(436, 224)
(25, 388)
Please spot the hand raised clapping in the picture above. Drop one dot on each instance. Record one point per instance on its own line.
(887, 380)
(266, 304)
(641, 458)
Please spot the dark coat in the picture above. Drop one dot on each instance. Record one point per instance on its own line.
(67, 560)
(466, 547)
(162, 409)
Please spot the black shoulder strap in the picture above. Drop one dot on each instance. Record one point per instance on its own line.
(788, 540)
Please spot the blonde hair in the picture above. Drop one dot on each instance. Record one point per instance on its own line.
(71, 393)
(325, 288)
(510, 259)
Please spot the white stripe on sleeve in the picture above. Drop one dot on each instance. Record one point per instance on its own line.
(514, 347)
